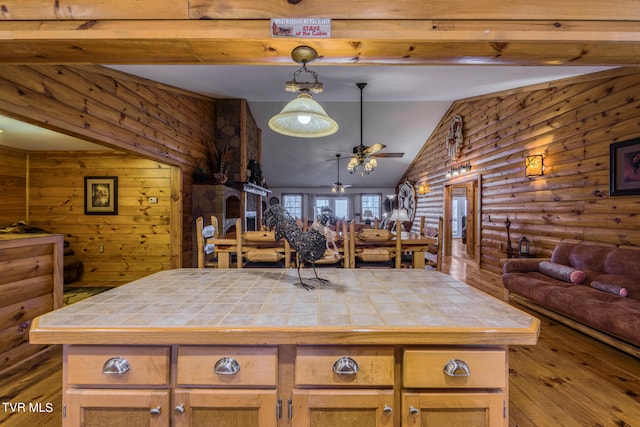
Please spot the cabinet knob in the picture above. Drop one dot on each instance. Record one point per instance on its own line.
(345, 366)
(457, 368)
(414, 410)
(387, 410)
(155, 411)
(226, 366)
(116, 366)
(179, 409)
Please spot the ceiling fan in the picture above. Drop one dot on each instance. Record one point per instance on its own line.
(339, 187)
(364, 157)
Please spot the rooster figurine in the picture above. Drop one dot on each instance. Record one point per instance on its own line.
(309, 245)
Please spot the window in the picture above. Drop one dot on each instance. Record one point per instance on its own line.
(373, 203)
(339, 206)
(293, 204)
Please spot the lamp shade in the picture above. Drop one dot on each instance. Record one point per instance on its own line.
(303, 118)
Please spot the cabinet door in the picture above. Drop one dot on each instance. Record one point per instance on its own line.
(225, 408)
(453, 409)
(117, 408)
(353, 408)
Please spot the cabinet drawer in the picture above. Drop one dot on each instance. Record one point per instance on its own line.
(426, 368)
(344, 366)
(228, 366)
(118, 365)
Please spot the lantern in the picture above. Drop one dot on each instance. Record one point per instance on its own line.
(524, 247)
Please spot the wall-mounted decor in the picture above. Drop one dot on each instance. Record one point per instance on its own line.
(454, 137)
(407, 198)
(534, 165)
(101, 195)
(624, 171)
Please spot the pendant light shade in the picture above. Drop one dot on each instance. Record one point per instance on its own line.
(303, 118)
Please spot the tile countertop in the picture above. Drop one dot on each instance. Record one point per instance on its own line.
(262, 306)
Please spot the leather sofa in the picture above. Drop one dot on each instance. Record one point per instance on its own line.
(592, 285)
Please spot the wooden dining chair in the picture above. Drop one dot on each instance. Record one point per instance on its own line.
(204, 260)
(225, 248)
(372, 247)
(331, 257)
(261, 247)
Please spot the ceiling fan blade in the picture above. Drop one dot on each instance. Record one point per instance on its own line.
(374, 148)
(380, 155)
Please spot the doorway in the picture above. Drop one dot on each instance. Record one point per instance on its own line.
(462, 216)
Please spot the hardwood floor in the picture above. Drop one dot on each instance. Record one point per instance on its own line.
(567, 379)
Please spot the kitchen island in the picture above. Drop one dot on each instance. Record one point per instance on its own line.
(245, 347)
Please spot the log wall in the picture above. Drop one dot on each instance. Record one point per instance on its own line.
(121, 112)
(136, 242)
(30, 285)
(13, 181)
(572, 123)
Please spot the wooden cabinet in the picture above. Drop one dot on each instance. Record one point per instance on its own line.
(225, 408)
(117, 407)
(353, 408)
(311, 386)
(343, 386)
(133, 385)
(226, 386)
(454, 387)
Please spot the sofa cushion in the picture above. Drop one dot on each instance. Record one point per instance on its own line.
(581, 256)
(562, 272)
(623, 262)
(602, 310)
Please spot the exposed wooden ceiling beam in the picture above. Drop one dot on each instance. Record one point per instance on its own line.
(352, 42)
(540, 32)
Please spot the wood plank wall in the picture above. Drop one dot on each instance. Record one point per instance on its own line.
(572, 123)
(122, 112)
(136, 242)
(13, 180)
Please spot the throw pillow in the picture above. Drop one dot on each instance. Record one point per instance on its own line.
(562, 272)
(608, 287)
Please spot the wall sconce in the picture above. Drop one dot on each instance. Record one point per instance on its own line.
(459, 170)
(423, 188)
(534, 166)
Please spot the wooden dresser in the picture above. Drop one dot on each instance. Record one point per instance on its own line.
(193, 347)
(31, 282)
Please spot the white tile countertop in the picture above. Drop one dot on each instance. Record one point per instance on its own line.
(250, 306)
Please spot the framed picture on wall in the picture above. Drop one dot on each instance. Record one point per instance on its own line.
(101, 195)
(624, 171)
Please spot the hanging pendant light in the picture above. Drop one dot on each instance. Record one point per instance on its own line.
(303, 117)
(337, 186)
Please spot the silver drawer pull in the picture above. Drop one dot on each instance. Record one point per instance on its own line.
(457, 368)
(116, 366)
(226, 366)
(387, 410)
(179, 409)
(155, 411)
(413, 410)
(345, 366)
